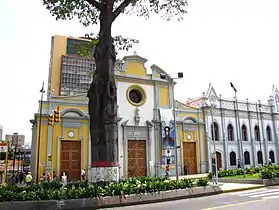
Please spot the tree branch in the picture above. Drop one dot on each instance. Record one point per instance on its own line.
(95, 4)
(120, 8)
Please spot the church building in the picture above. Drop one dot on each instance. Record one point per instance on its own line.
(245, 132)
(146, 131)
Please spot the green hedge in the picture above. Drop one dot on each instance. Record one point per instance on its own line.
(55, 191)
(236, 172)
(270, 172)
(266, 172)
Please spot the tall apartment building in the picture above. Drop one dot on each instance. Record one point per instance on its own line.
(69, 73)
(15, 139)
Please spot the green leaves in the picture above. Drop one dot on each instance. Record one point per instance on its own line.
(74, 190)
(167, 9)
(86, 13)
(87, 49)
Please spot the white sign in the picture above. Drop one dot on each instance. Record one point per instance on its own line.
(3, 148)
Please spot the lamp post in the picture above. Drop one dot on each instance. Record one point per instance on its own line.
(238, 129)
(258, 133)
(42, 91)
(179, 76)
(211, 107)
(14, 144)
(262, 131)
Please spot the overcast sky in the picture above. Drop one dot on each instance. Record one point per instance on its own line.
(219, 41)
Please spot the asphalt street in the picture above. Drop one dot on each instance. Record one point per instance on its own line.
(259, 199)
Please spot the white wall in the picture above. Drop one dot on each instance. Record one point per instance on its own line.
(127, 111)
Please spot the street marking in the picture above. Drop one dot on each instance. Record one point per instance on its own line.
(248, 191)
(259, 192)
(271, 197)
(264, 194)
(233, 204)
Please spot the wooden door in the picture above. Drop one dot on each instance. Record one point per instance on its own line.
(71, 159)
(189, 157)
(219, 160)
(136, 158)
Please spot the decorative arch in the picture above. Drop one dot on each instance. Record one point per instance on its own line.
(189, 119)
(72, 112)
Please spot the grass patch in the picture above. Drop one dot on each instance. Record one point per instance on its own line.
(247, 176)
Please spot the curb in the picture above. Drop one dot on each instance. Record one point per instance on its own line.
(160, 200)
(243, 189)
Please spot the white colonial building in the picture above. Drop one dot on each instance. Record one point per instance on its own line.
(250, 128)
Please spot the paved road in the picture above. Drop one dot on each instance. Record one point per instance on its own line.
(260, 199)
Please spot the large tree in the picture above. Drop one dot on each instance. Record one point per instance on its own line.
(102, 93)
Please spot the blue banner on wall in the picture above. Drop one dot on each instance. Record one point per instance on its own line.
(167, 136)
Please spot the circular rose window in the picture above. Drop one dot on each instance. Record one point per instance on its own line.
(136, 95)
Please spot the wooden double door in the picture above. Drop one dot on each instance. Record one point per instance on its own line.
(71, 159)
(190, 157)
(136, 158)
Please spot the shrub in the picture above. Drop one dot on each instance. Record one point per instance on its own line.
(267, 173)
(74, 190)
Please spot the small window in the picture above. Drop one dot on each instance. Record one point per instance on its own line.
(230, 133)
(260, 157)
(214, 131)
(268, 133)
(232, 158)
(246, 158)
(244, 133)
(257, 133)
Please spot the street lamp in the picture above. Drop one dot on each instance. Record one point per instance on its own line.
(215, 163)
(179, 76)
(262, 131)
(42, 91)
(238, 129)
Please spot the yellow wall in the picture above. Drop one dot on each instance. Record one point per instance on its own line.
(59, 49)
(164, 96)
(135, 69)
(57, 132)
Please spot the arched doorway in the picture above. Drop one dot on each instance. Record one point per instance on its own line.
(219, 160)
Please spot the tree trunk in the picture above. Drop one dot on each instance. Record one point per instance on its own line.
(102, 105)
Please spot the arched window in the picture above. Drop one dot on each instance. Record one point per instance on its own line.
(257, 133)
(260, 157)
(268, 133)
(244, 133)
(246, 158)
(271, 156)
(215, 129)
(232, 158)
(230, 132)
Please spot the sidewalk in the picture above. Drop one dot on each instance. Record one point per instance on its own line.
(192, 176)
(225, 187)
(234, 187)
